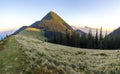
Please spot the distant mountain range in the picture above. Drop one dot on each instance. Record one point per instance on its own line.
(80, 32)
(86, 30)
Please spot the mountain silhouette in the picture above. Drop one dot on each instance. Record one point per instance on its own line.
(115, 33)
(80, 32)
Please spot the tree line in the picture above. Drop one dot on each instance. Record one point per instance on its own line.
(89, 41)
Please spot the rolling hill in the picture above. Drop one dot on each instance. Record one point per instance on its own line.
(86, 29)
(34, 33)
(24, 54)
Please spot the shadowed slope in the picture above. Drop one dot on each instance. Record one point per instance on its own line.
(115, 33)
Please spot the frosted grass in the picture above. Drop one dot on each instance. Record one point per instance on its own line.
(69, 60)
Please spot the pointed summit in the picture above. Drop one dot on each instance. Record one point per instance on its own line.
(50, 15)
(52, 22)
(53, 16)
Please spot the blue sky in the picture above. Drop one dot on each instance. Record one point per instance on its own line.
(91, 13)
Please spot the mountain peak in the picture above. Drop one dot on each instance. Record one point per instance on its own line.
(49, 16)
(52, 16)
(52, 12)
(52, 22)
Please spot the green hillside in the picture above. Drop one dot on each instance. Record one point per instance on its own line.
(27, 55)
(50, 58)
(33, 34)
(11, 59)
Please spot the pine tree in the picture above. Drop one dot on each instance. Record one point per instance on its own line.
(101, 39)
(105, 41)
(67, 37)
(90, 40)
(83, 41)
(96, 39)
(61, 38)
(77, 39)
(73, 39)
(54, 38)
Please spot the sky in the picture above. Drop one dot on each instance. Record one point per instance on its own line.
(91, 13)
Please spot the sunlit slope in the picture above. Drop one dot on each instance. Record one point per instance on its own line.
(33, 33)
(33, 29)
(48, 58)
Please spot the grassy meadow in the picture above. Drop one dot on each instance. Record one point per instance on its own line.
(27, 55)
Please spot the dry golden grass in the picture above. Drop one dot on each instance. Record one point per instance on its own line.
(33, 29)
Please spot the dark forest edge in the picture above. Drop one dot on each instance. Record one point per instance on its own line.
(74, 39)
(87, 40)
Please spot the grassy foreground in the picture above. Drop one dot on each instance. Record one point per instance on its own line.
(26, 55)
(11, 59)
(47, 58)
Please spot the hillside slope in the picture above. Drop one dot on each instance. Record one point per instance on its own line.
(11, 58)
(33, 33)
(48, 58)
(28, 55)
